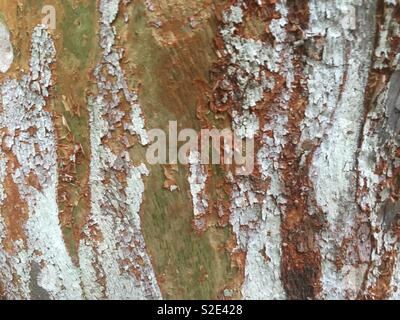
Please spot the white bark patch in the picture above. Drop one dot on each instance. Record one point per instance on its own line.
(335, 117)
(3, 171)
(6, 49)
(23, 102)
(115, 264)
(257, 223)
(197, 182)
(11, 266)
(245, 125)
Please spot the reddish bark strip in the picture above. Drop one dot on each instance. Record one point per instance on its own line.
(300, 257)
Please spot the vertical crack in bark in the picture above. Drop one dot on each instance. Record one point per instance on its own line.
(6, 49)
(301, 261)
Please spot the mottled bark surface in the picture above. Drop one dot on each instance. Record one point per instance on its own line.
(84, 215)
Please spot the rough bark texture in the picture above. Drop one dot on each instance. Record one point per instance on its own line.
(317, 85)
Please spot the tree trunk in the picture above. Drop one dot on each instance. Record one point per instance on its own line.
(85, 215)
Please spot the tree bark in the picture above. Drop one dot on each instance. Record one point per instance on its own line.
(84, 215)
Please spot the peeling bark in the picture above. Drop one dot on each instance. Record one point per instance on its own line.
(29, 164)
(115, 261)
(316, 84)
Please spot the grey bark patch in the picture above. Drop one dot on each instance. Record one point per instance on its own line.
(37, 292)
(393, 103)
(391, 215)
